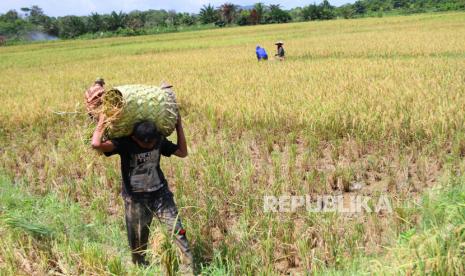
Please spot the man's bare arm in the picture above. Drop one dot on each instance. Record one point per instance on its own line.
(182, 145)
(97, 143)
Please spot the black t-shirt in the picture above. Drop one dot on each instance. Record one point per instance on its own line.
(140, 168)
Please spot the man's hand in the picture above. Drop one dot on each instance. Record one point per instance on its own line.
(182, 145)
(106, 146)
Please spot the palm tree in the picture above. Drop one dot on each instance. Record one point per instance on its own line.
(260, 10)
(228, 12)
(208, 14)
(115, 20)
(94, 22)
(274, 7)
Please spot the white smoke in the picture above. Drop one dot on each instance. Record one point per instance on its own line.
(40, 36)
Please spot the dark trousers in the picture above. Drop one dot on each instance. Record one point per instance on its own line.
(139, 215)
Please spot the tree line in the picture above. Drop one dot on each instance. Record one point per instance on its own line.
(23, 24)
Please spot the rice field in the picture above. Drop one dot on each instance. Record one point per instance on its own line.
(359, 107)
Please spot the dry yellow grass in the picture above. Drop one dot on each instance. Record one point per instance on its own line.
(378, 101)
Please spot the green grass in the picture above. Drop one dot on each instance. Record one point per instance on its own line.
(52, 234)
(436, 246)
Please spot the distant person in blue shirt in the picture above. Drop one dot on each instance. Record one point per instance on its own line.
(261, 53)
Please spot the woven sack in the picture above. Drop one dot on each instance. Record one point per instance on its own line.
(126, 105)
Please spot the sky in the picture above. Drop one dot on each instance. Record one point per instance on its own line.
(85, 7)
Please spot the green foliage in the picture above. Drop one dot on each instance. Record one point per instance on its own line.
(437, 245)
(311, 12)
(71, 26)
(136, 20)
(346, 11)
(57, 229)
(186, 19)
(378, 7)
(94, 23)
(359, 7)
(277, 15)
(323, 11)
(244, 18)
(10, 16)
(208, 14)
(17, 27)
(260, 9)
(115, 21)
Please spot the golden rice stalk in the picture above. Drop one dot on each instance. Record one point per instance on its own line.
(126, 105)
(164, 251)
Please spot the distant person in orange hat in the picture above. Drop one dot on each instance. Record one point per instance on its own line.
(281, 54)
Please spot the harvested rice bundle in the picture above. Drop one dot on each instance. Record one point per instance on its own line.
(126, 105)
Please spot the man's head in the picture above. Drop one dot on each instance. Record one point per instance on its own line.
(258, 47)
(100, 81)
(146, 135)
